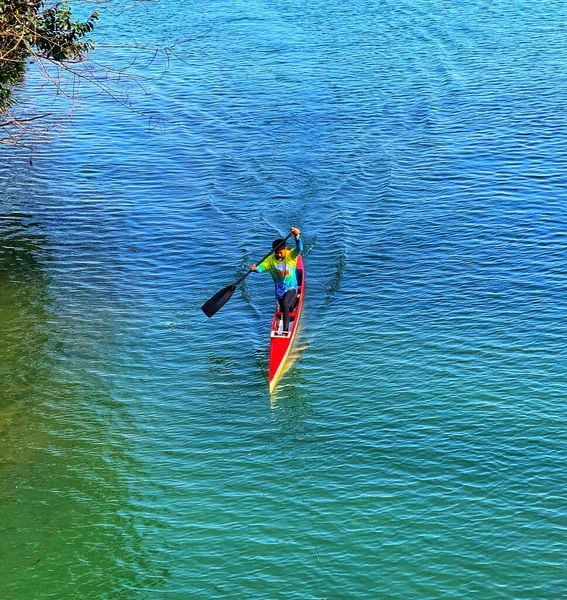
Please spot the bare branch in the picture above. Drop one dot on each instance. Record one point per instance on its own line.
(22, 120)
(69, 76)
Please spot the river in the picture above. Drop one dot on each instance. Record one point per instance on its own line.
(416, 448)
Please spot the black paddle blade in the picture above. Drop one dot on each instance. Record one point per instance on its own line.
(214, 304)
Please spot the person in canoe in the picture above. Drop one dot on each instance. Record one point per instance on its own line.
(282, 265)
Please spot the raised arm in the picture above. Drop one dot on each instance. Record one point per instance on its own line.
(298, 243)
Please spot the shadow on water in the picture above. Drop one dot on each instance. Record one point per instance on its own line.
(24, 314)
(66, 473)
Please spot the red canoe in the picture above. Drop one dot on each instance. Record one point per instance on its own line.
(280, 345)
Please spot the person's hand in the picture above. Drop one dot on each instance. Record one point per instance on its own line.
(295, 231)
(253, 267)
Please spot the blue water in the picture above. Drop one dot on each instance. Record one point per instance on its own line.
(416, 448)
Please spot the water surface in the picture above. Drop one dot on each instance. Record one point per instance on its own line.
(417, 447)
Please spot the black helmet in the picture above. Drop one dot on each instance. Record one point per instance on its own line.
(278, 244)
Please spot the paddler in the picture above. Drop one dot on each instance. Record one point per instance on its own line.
(282, 265)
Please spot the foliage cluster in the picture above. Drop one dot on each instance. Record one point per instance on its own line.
(31, 28)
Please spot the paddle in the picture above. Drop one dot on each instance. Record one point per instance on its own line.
(216, 302)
